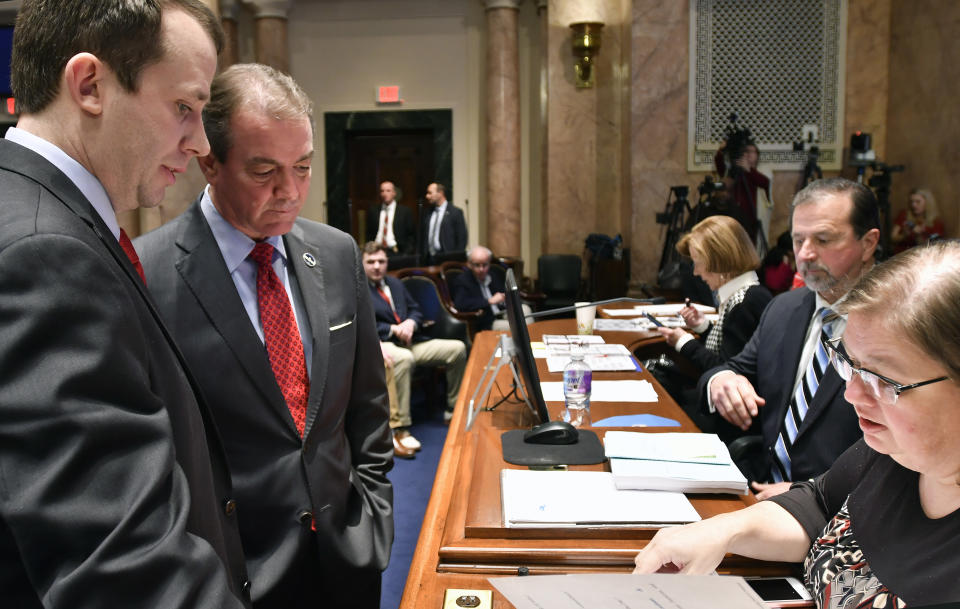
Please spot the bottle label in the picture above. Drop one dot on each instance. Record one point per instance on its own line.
(577, 381)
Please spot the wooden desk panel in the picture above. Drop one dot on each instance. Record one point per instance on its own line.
(463, 540)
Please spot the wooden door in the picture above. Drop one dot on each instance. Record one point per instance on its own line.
(404, 157)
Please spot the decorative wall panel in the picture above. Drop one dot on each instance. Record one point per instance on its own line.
(777, 64)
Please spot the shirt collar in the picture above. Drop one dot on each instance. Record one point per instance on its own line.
(730, 288)
(442, 207)
(86, 182)
(234, 245)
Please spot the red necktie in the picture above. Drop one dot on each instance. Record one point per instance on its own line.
(131, 253)
(281, 336)
(386, 299)
(386, 218)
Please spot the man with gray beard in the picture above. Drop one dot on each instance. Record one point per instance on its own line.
(783, 377)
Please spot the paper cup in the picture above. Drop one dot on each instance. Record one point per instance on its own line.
(585, 316)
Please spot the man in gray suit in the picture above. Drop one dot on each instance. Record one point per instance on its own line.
(114, 489)
(273, 314)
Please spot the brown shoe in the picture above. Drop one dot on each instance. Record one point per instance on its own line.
(406, 438)
(400, 451)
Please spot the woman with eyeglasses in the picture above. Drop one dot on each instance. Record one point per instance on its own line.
(881, 528)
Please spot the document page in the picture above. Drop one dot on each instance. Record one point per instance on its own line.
(625, 591)
(572, 498)
(605, 391)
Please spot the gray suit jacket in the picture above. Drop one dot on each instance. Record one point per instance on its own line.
(337, 473)
(114, 489)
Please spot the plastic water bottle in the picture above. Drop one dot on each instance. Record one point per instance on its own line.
(577, 379)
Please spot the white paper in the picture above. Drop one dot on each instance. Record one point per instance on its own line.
(683, 447)
(605, 391)
(644, 474)
(607, 363)
(578, 498)
(626, 591)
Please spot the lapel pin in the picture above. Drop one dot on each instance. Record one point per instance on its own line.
(309, 260)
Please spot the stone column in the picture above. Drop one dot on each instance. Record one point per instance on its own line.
(229, 14)
(503, 127)
(270, 35)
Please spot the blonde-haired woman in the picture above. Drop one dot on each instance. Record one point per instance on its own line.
(724, 257)
(881, 528)
(917, 224)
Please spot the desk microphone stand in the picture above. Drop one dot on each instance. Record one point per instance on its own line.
(507, 351)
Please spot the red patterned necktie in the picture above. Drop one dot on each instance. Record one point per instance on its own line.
(281, 336)
(131, 253)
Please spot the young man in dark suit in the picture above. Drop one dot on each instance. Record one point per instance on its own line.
(399, 321)
(444, 229)
(272, 312)
(114, 489)
(478, 290)
(782, 375)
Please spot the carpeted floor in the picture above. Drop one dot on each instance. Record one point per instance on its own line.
(412, 481)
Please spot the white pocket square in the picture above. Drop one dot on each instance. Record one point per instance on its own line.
(343, 325)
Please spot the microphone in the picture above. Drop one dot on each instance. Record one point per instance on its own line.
(655, 300)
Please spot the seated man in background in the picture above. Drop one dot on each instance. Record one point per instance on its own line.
(478, 290)
(783, 375)
(399, 321)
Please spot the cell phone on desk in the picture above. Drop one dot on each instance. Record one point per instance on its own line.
(653, 320)
(781, 591)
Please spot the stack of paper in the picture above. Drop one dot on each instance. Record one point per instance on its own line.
(684, 462)
(576, 498)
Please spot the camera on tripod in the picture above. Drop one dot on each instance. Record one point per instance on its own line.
(710, 186)
(668, 215)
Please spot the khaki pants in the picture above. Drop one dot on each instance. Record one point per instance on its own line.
(452, 354)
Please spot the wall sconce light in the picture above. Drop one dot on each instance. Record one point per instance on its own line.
(586, 44)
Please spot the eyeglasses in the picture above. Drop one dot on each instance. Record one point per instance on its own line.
(884, 390)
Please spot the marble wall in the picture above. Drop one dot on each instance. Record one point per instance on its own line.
(659, 72)
(923, 125)
(587, 130)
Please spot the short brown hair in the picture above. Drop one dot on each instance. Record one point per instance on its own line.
(916, 293)
(372, 247)
(125, 34)
(255, 86)
(723, 244)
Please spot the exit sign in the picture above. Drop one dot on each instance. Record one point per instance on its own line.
(388, 95)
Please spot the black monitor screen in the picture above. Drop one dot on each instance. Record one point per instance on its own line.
(521, 345)
(6, 44)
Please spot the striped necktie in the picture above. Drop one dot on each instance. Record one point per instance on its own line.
(799, 405)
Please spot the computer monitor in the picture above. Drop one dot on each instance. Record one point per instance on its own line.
(521, 346)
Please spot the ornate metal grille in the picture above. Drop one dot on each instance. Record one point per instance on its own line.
(777, 64)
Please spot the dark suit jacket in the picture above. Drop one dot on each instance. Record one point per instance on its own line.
(113, 483)
(453, 231)
(403, 228)
(770, 362)
(468, 296)
(407, 308)
(738, 326)
(337, 473)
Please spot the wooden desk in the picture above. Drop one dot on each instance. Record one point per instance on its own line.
(462, 539)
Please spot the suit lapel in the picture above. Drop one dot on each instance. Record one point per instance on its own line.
(791, 348)
(313, 297)
(205, 274)
(33, 166)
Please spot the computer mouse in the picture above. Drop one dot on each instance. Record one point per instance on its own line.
(552, 432)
